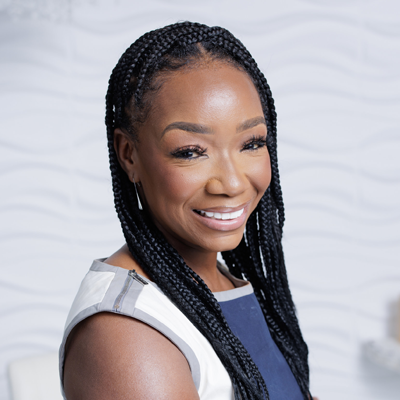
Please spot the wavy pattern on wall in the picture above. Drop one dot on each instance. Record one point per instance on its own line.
(334, 70)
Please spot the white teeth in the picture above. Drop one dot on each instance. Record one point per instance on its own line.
(237, 214)
(223, 216)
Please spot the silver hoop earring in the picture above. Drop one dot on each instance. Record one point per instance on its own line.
(137, 195)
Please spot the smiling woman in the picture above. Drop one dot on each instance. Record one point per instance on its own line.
(192, 138)
(201, 150)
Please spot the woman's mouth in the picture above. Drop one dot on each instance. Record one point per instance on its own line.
(229, 220)
(221, 215)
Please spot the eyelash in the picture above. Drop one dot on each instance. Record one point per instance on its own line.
(183, 152)
(260, 141)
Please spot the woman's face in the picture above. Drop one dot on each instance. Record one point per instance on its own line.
(202, 159)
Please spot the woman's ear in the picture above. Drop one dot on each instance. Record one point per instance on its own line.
(125, 149)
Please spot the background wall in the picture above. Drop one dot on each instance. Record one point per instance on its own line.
(334, 69)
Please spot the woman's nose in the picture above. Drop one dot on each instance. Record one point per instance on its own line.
(228, 178)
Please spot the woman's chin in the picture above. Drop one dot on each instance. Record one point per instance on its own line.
(225, 243)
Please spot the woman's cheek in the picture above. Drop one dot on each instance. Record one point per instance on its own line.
(260, 174)
(179, 183)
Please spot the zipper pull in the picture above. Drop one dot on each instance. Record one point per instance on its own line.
(134, 275)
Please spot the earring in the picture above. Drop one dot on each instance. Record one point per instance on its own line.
(137, 195)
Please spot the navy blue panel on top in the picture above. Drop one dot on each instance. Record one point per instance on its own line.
(247, 322)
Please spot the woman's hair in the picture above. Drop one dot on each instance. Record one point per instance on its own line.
(258, 258)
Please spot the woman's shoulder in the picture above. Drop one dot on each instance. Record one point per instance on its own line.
(110, 349)
(114, 356)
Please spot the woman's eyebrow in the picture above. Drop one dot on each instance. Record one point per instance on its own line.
(250, 123)
(198, 128)
(188, 127)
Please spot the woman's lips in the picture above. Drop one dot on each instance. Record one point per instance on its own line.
(221, 215)
(223, 219)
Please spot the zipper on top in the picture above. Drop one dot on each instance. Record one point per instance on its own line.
(134, 275)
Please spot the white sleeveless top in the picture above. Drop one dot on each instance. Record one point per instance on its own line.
(107, 288)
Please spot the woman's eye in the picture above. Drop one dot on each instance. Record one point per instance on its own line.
(189, 153)
(255, 143)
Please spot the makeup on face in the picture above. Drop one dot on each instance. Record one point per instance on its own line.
(202, 158)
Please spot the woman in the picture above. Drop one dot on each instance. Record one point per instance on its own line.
(191, 130)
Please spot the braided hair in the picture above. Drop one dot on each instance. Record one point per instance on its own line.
(259, 256)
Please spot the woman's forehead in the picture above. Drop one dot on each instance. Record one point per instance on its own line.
(205, 93)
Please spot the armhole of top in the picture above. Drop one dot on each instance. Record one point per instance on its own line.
(183, 347)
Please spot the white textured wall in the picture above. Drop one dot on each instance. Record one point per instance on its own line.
(334, 69)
